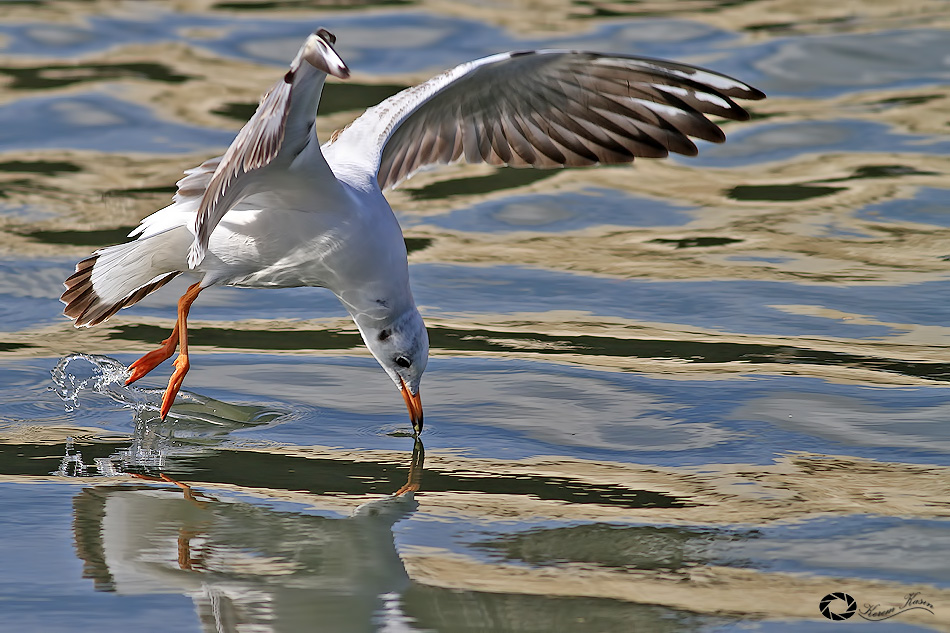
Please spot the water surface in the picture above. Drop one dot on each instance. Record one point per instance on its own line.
(690, 395)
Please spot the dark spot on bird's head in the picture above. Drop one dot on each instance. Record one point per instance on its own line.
(402, 361)
(326, 36)
(384, 335)
(289, 77)
(382, 303)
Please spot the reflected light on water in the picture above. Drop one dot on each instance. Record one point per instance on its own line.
(688, 395)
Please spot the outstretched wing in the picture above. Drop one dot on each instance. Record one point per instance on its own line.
(256, 145)
(546, 108)
(282, 121)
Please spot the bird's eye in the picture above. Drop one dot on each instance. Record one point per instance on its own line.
(384, 335)
(402, 361)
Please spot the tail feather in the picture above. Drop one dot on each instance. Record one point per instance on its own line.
(120, 276)
(78, 283)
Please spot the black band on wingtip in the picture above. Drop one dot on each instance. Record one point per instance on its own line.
(326, 36)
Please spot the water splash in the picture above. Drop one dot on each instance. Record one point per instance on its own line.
(77, 374)
(72, 464)
(194, 425)
(89, 372)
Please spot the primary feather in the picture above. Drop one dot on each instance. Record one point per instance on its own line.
(546, 108)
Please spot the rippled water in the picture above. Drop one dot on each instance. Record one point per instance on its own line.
(690, 395)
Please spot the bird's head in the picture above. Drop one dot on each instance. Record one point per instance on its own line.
(318, 51)
(401, 346)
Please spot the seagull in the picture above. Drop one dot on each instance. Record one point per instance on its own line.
(280, 210)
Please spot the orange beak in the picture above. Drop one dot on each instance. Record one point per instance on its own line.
(414, 405)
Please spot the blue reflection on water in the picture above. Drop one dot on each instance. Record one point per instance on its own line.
(887, 548)
(560, 212)
(54, 594)
(93, 121)
(736, 305)
(752, 144)
(928, 206)
(841, 63)
(98, 33)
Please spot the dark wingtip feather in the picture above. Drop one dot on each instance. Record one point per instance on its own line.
(740, 114)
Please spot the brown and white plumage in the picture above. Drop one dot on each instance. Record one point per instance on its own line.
(546, 108)
(279, 210)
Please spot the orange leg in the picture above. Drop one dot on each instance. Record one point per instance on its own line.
(154, 358)
(181, 363)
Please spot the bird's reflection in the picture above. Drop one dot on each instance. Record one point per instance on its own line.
(247, 566)
(252, 557)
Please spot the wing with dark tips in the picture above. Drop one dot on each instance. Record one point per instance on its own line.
(549, 108)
